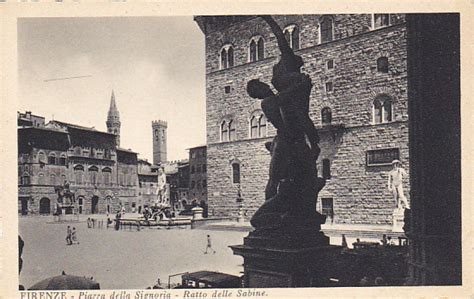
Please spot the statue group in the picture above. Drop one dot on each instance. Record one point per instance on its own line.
(291, 192)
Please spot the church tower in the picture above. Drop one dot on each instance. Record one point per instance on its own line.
(113, 119)
(159, 141)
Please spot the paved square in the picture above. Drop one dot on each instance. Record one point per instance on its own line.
(122, 259)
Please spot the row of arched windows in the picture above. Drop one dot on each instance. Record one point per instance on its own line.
(257, 127)
(106, 153)
(93, 175)
(382, 112)
(52, 158)
(256, 47)
(43, 179)
(256, 44)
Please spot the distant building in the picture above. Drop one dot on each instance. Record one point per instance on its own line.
(148, 185)
(177, 181)
(103, 176)
(159, 128)
(198, 174)
(183, 184)
(29, 120)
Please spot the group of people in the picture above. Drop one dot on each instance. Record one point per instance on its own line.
(71, 236)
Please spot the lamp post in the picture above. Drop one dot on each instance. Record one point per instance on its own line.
(240, 200)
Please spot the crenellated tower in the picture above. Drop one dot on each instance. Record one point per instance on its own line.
(159, 141)
(113, 119)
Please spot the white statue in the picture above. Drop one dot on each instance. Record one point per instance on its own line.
(162, 185)
(395, 184)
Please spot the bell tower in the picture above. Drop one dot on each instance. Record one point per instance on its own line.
(159, 141)
(113, 119)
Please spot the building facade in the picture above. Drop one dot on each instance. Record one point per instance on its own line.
(102, 176)
(357, 64)
(148, 185)
(198, 174)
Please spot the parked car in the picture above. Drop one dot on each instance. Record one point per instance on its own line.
(209, 279)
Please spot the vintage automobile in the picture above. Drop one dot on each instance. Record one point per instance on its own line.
(209, 279)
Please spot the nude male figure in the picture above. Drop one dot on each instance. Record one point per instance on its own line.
(395, 184)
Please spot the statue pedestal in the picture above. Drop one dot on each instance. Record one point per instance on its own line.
(286, 260)
(398, 220)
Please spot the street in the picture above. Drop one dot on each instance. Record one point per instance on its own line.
(122, 259)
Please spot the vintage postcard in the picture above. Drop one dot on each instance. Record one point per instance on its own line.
(259, 150)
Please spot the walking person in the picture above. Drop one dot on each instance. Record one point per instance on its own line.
(74, 236)
(209, 245)
(68, 236)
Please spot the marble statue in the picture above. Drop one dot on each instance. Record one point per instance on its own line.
(395, 185)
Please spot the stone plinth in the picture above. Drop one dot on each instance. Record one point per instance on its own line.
(286, 258)
(197, 213)
(398, 222)
(266, 267)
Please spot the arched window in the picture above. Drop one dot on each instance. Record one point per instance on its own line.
(262, 126)
(52, 180)
(193, 184)
(52, 159)
(236, 173)
(62, 159)
(326, 169)
(380, 20)
(326, 116)
(93, 170)
(256, 49)
(107, 173)
(41, 157)
(25, 179)
(326, 29)
(232, 135)
(382, 65)
(78, 174)
(258, 125)
(224, 131)
(40, 179)
(253, 126)
(226, 57)
(382, 109)
(292, 36)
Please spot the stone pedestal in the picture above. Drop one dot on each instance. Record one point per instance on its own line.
(398, 222)
(197, 213)
(286, 260)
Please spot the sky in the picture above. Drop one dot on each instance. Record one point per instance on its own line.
(155, 65)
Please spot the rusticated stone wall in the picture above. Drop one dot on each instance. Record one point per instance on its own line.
(359, 192)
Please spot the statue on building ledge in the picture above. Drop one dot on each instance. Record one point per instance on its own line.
(290, 196)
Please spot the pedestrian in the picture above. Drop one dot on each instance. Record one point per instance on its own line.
(68, 235)
(74, 236)
(209, 245)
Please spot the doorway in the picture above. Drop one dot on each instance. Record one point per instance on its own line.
(94, 205)
(24, 206)
(45, 206)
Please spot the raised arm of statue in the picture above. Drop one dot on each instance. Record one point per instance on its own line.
(281, 40)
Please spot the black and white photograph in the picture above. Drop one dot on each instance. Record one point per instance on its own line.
(233, 155)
